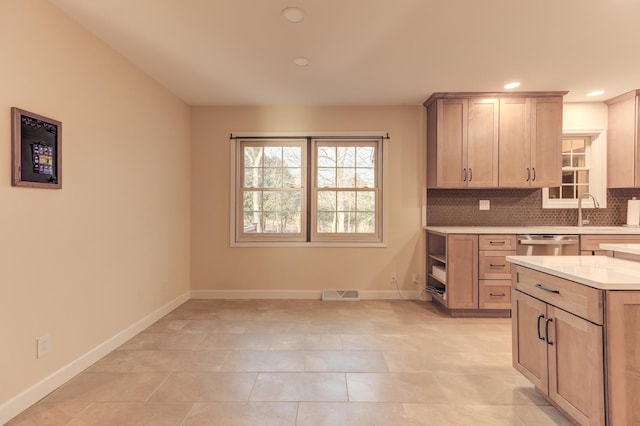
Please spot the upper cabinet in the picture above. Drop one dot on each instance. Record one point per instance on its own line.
(623, 156)
(491, 140)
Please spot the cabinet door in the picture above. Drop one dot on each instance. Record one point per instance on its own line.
(622, 154)
(462, 271)
(482, 143)
(529, 347)
(623, 357)
(514, 143)
(546, 142)
(451, 143)
(576, 366)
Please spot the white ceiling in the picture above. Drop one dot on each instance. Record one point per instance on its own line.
(370, 52)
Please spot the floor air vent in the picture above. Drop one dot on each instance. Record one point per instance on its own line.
(340, 295)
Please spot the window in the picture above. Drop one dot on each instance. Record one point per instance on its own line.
(275, 203)
(582, 172)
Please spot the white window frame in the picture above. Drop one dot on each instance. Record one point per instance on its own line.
(239, 208)
(596, 154)
(236, 208)
(317, 236)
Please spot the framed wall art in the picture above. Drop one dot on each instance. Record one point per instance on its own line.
(36, 150)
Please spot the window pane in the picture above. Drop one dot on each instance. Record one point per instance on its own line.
(252, 201)
(583, 176)
(366, 201)
(291, 201)
(292, 156)
(252, 156)
(582, 189)
(366, 222)
(253, 177)
(292, 177)
(327, 201)
(273, 156)
(346, 156)
(365, 156)
(326, 156)
(326, 222)
(568, 192)
(272, 200)
(566, 160)
(365, 178)
(271, 222)
(252, 222)
(346, 178)
(346, 222)
(566, 146)
(346, 201)
(554, 192)
(567, 177)
(579, 161)
(579, 146)
(326, 178)
(272, 178)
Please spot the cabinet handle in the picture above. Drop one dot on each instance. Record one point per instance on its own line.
(540, 335)
(470, 174)
(464, 179)
(528, 174)
(497, 243)
(497, 294)
(550, 290)
(534, 174)
(546, 330)
(497, 265)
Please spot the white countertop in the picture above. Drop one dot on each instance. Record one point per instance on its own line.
(604, 230)
(623, 248)
(602, 272)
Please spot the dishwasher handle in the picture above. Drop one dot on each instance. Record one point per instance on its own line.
(548, 242)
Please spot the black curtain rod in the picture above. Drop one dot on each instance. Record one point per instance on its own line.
(231, 136)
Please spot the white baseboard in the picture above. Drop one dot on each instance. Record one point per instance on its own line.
(24, 400)
(295, 294)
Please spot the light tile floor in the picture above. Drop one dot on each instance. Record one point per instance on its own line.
(303, 363)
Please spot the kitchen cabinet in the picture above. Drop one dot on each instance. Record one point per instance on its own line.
(530, 142)
(623, 152)
(462, 143)
(491, 140)
(558, 342)
(623, 357)
(452, 265)
(590, 244)
(494, 285)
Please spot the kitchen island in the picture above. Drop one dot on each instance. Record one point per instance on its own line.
(576, 334)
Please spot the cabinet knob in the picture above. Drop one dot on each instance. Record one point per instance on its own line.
(534, 174)
(464, 179)
(546, 330)
(470, 174)
(497, 265)
(497, 294)
(539, 334)
(528, 174)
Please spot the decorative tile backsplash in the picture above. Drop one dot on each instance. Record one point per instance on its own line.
(518, 207)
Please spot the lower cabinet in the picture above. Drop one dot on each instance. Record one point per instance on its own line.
(560, 352)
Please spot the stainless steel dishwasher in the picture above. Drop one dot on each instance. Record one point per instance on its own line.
(548, 245)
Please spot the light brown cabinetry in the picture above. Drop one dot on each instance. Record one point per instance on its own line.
(494, 291)
(452, 268)
(490, 140)
(623, 357)
(462, 143)
(590, 244)
(530, 141)
(558, 342)
(623, 152)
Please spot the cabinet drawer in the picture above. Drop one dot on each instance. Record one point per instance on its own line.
(495, 294)
(592, 242)
(497, 242)
(580, 300)
(493, 265)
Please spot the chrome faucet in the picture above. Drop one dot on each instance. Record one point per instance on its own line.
(595, 205)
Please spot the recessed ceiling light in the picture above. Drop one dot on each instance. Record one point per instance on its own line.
(596, 93)
(301, 61)
(292, 14)
(512, 85)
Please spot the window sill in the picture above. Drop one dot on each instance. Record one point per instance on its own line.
(332, 244)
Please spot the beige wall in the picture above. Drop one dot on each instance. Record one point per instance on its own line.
(87, 261)
(217, 266)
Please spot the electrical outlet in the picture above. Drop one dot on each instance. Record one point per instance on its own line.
(393, 276)
(44, 345)
(485, 205)
(416, 278)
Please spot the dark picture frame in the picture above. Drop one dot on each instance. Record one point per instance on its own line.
(36, 150)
